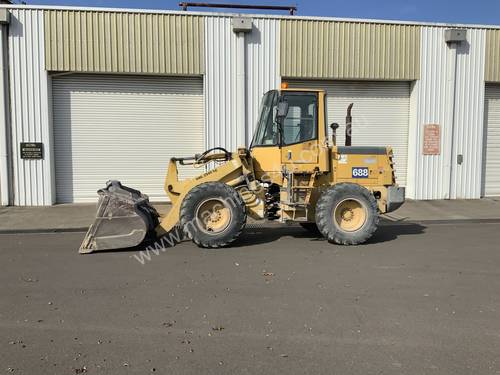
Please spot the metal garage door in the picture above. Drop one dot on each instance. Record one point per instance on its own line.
(491, 164)
(380, 114)
(123, 127)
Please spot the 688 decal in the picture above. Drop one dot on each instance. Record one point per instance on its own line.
(360, 172)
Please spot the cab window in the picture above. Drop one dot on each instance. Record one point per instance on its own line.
(267, 130)
(300, 124)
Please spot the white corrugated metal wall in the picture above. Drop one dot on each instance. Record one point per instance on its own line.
(469, 117)
(432, 103)
(262, 64)
(426, 173)
(30, 121)
(220, 83)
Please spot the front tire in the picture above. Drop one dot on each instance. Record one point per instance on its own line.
(347, 214)
(213, 214)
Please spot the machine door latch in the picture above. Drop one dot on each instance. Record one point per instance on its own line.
(460, 159)
(289, 154)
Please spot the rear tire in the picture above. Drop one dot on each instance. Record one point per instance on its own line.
(347, 214)
(213, 214)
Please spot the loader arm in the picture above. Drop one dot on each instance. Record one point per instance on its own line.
(234, 172)
(125, 217)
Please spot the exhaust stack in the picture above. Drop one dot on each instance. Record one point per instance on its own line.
(348, 125)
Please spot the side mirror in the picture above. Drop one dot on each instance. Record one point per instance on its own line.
(282, 111)
(334, 126)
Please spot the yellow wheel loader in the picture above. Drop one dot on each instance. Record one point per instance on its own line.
(292, 172)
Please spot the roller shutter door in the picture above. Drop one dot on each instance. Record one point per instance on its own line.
(125, 128)
(491, 169)
(380, 114)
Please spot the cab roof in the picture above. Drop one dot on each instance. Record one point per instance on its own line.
(301, 89)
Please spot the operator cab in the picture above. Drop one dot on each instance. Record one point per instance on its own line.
(298, 125)
(289, 133)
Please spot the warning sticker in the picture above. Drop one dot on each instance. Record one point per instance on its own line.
(342, 159)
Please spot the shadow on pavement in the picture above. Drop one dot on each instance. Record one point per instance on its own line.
(262, 235)
(390, 232)
(255, 235)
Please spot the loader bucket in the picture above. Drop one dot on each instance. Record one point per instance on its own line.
(124, 219)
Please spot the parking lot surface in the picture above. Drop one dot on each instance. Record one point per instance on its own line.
(416, 299)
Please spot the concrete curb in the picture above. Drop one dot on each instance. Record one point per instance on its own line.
(43, 230)
(445, 221)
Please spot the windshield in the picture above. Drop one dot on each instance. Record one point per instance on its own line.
(267, 129)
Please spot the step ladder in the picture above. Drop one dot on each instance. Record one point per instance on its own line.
(298, 196)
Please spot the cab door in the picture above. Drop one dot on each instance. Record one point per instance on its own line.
(265, 146)
(300, 142)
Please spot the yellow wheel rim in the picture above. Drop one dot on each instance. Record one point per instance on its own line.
(350, 215)
(213, 216)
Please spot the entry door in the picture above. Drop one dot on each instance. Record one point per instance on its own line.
(299, 144)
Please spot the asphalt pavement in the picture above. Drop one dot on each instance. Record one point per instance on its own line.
(417, 299)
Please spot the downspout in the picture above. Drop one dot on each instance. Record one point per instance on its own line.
(240, 90)
(4, 111)
(241, 26)
(454, 38)
(451, 88)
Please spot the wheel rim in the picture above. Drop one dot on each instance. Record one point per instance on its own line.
(213, 216)
(350, 215)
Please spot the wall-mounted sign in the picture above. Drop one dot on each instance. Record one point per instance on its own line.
(31, 150)
(432, 139)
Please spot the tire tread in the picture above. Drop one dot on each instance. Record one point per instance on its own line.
(325, 206)
(186, 214)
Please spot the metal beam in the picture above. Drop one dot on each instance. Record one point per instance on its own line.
(4, 120)
(290, 8)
